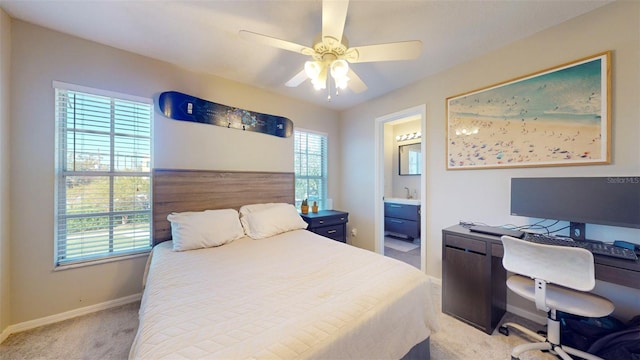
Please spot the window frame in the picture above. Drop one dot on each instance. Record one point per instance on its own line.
(61, 175)
(324, 178)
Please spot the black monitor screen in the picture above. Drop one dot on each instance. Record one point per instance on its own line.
(613, 201)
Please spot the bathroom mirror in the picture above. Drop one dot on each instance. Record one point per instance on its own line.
(409, 159)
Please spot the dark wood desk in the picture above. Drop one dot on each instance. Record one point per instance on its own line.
(474, 281)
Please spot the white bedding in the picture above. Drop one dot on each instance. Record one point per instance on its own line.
(294, 295)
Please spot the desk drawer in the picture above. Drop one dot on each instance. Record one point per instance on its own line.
(464, 243)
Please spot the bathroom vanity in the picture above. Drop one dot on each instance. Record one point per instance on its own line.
(402, 216)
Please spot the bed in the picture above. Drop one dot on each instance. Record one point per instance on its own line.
(272, 294)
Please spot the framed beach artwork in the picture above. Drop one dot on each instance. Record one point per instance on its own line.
(555, 117)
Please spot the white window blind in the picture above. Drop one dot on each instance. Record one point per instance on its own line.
(310, 161)
(103, 174)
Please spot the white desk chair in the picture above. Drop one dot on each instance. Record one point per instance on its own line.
(557, 278)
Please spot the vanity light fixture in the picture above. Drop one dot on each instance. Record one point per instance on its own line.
(409, 136)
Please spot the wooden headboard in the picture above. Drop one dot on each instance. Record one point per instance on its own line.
(198, 190)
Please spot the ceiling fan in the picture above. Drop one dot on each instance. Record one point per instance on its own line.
(331, 53)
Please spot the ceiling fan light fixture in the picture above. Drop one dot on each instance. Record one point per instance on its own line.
(339, 68)
(312, 69)
(342, 83)
(317, 72)
(331, 55)
(319, 80)
(318, 85)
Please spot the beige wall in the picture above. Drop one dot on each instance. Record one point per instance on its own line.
(483, 195)
(40, 56)
(5, 51)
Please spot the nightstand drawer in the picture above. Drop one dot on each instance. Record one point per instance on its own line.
(326, 220)
(335, 232)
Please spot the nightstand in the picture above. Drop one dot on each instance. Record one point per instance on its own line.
(328, 223)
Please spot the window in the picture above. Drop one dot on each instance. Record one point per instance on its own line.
(310, 161)
(103, 174)
(415, 161)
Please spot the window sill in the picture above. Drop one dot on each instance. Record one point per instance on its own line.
(79, 264)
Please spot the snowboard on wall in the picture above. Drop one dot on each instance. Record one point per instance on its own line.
(178, 106)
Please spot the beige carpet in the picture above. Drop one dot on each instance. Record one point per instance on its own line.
(457, 340)
(105, 335)
(109, 334)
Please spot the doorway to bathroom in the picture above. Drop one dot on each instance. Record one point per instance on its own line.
(400, 186)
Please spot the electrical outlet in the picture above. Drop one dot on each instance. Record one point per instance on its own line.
(354, 232)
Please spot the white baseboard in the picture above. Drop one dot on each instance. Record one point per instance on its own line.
(4, 334)
(435, 280)
(27, 325)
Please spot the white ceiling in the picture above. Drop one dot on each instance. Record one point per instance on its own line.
(203, 35)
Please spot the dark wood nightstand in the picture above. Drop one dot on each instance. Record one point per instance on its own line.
(328, 223)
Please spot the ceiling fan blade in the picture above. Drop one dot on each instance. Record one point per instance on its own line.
(275, 42)
(334, 16)
(404, 50)
(297, 79)
(355, 83)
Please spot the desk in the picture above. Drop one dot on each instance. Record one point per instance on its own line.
(474, 282)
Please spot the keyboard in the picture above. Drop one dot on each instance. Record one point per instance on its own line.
(496, 231)
(593, 246)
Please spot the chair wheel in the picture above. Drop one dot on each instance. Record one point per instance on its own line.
(503, 330)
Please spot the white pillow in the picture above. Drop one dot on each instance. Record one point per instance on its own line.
(203, 229)
(271, 221)
(246, 209)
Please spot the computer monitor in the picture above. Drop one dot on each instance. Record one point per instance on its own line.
(613, 201)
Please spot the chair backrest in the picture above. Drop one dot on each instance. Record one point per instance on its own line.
(566, 266)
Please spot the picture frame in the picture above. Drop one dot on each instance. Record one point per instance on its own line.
(559, 116)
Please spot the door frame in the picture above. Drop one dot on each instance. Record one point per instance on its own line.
(379, 170)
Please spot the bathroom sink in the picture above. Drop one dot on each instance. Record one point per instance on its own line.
(402, 201)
